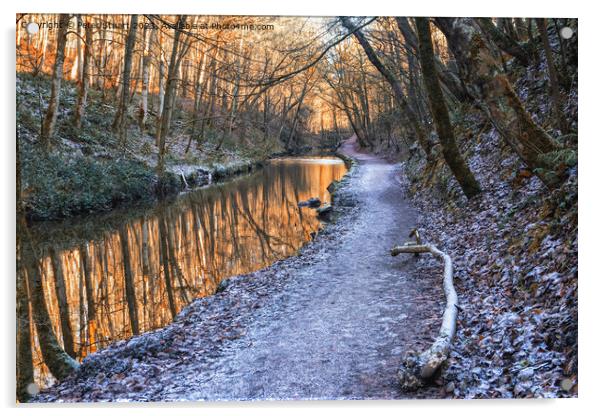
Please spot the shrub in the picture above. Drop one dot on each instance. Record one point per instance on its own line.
(57, 185)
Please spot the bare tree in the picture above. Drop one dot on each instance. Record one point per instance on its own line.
(120, 121)
(84, 82)
(170, 94)
(146, 64)
(49, 122)
(395, 85)
(542, 27)
(445, 131)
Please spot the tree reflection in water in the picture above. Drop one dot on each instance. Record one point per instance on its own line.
(105, 278)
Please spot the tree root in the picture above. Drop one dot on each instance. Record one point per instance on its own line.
(418, 368)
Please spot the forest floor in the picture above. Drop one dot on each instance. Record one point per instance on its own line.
(330, 323)
(514, 249)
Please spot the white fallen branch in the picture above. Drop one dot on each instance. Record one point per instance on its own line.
(417, 368)
(184, 179)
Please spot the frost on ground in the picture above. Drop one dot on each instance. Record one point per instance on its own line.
(514, 250)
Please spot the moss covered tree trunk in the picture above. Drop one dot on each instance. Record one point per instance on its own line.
(445, 131)
(49, 123)
(503, 41)
(447, 77)
(494, 94)
(24, 359)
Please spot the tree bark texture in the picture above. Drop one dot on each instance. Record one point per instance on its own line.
(49, 123)
(445, 131)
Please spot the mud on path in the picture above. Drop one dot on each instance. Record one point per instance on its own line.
(330, 323)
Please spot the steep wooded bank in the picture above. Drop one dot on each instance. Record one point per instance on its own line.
(514, 250)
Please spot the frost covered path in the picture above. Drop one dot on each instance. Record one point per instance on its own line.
(329, 324)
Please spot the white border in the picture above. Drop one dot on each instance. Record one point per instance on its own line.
(590, 153)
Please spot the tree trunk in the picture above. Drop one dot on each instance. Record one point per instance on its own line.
(166, 267)
(445, 131)
(86, 270)
(417, 369)
(24, 358)
(521, 29)
(84, 84)
(561, 124)
(102, 53)
(448, 77)
(130, 290)
(120, 121)
(145, 253)
(169, 98)
(24, 355)
(508, 27)
(503, 41)
(161, 88)
(198, 98)
(49, 123)
(146, 62)
(296, 116)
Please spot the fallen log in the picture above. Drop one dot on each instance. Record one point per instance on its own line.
(418, 368)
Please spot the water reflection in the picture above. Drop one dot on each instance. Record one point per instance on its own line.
(108, 277)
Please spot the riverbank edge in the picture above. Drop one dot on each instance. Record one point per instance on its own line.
(343, 203)
(221, 173)
(178, 179)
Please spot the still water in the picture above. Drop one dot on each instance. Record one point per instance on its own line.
(108, 277)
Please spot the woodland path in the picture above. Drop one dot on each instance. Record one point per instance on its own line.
(335, 331)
